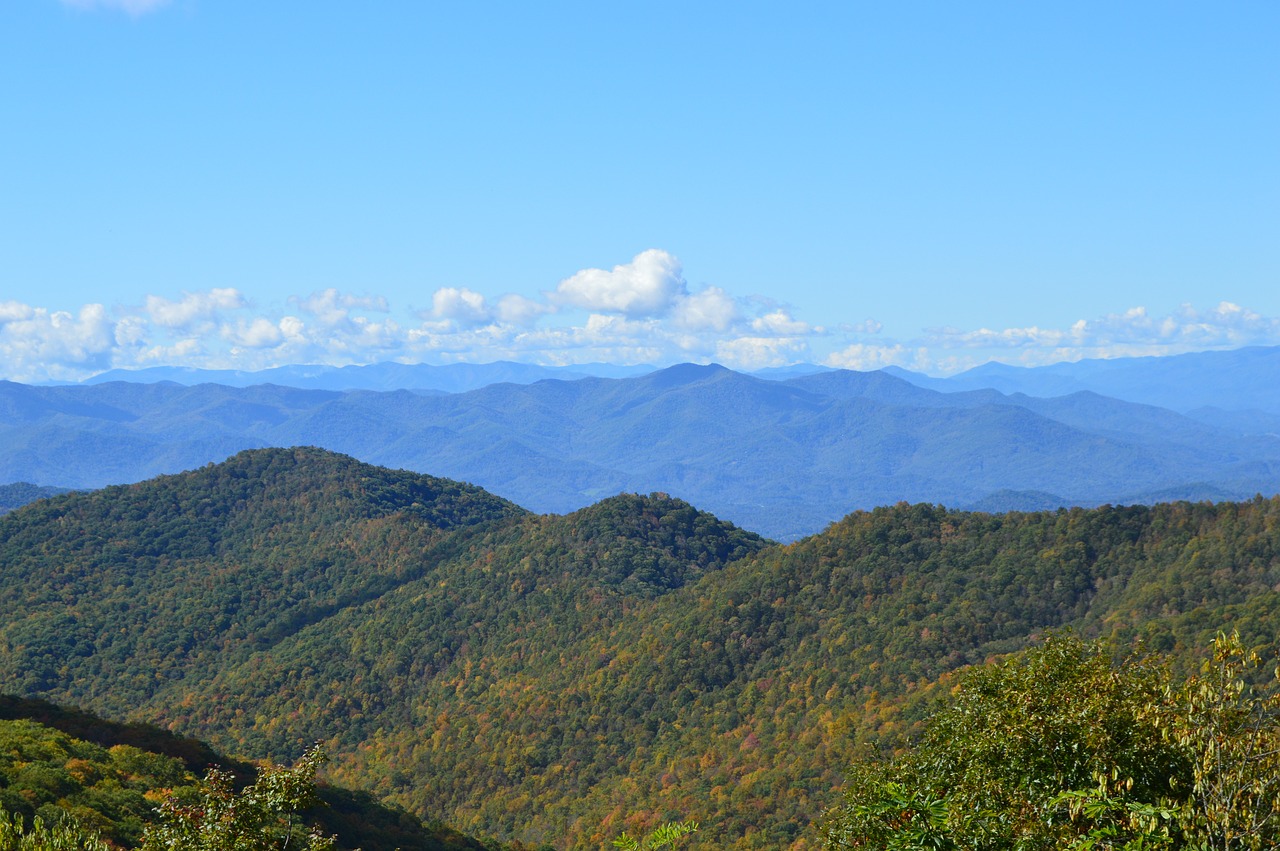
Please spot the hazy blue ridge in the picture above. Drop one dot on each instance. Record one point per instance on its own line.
(782, 457)
(1239, 380)
(18, 494)
(448, 378)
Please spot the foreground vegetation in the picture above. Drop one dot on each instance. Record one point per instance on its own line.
(1058, 748)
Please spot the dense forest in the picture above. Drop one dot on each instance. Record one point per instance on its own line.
(109, 777)
(558, 679)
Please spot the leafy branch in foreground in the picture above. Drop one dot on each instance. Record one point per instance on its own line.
(661, 837)
(64, 836)
(263, 817)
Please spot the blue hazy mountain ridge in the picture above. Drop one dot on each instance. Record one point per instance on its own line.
(1206, 385)
(780, 457)
(18, 494)
(449, 378)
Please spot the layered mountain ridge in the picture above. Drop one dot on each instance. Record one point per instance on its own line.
(782, 457)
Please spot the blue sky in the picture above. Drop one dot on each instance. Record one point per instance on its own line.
(228, 183)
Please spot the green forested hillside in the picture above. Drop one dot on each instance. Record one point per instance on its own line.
(548, 678)
(127, 590)
(110, 777)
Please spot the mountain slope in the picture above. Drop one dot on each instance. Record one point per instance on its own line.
(544, 678)
(133, 586)
(55, 761)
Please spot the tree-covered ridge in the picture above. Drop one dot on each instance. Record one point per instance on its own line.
(130, 588)
(45, 773)
(551, 699)
(19, 494)
(637, 662)
(463, 651)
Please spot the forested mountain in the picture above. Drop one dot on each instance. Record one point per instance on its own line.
(135, 585)
(783, 458)
(547, 678)
(20, 493)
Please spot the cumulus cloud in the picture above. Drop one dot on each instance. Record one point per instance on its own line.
(713, 309)
(1225, 325)
(331, 307)
(40, 343)
(647, 286)
(760, 352)
(460, 305)
(256, 333)
(517, 310)
(639, 312)
(132, 7)
(780, 323)
(1134, 332)
(868, 356)
(192, 307)
(13, 311)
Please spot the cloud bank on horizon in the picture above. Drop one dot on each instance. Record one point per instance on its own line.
(640, 312)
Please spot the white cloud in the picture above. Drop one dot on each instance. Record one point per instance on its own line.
(332, 307)
(779, 323)
(293, 328)
(1134, 332)
(257, 333)
(192, 307)
(56, 344)
(759, 352)
(647, 286)
(518, 310)
(1226, 325)
(460, 305)
(713, 309)
(643, 313)
(865, 357)
(133, 7)
(14, 311)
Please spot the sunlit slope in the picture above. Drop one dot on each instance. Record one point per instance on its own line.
(56, 762)
(549, 710)
(545, 677)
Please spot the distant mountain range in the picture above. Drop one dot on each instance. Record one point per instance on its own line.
(1233, 387)
(782, 456)
(19, 494)
(1204, 385)
(450, 378)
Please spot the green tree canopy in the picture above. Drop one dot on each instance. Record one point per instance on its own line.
(1060, 748)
